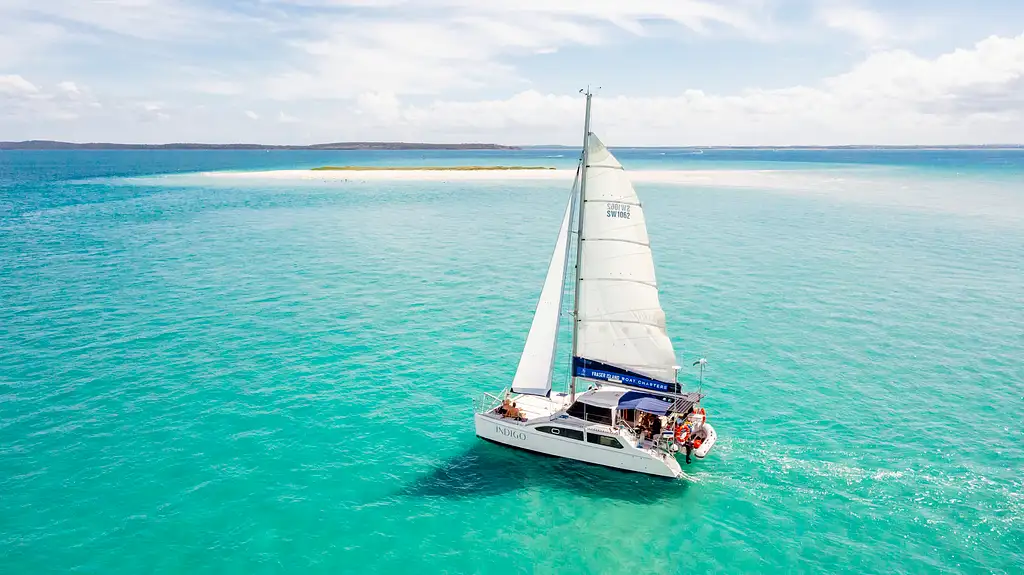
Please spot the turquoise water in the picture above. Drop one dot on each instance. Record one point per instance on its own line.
(240, 377)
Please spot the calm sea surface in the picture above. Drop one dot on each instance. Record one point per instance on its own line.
(203, 375)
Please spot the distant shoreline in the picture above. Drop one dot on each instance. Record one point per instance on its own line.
(385, 146)
(54, 145)
(425, 168)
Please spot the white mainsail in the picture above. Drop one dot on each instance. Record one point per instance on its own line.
(620, 320)
(533, 376)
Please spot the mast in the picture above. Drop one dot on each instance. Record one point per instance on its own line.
(582, 204)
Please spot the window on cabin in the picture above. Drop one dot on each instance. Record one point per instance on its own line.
(604, 440)
(562, 432)
(576, 410)
(590, 413)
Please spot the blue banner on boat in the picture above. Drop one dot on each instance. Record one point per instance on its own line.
(604, 372)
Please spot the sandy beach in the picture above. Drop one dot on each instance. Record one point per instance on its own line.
(397, 174)
(858, 185)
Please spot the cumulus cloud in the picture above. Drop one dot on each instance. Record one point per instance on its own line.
(971, 96)
(459, 70)
(69, 88)
(24, 101)
(15, 84)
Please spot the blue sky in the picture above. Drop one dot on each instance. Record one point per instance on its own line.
(672, 72)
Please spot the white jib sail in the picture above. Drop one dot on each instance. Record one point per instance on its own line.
(533, 376)
(621, 320)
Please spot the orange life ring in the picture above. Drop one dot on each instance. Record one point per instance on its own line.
(679, 437)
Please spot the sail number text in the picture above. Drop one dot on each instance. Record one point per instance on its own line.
(617, 210)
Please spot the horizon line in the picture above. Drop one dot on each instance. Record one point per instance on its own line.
(394, 145)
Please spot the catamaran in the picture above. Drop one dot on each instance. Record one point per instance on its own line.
(634, 415)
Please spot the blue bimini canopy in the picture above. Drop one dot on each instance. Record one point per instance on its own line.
(643, 402)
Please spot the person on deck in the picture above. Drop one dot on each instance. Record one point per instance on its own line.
(683, 437)
(516, 413)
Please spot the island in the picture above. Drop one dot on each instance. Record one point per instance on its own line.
(54, 145)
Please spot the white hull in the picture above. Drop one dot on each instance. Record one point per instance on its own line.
(525, 435)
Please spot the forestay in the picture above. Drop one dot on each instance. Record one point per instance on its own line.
(533, 376)
(621, 326)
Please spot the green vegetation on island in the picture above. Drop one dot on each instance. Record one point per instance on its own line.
(428, 168)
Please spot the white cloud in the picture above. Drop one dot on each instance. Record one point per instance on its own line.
(341, 48)
(382, 108)
(25, 102)
(693, 14)
(433, 46)
(141, 19)
(459, 70)
(972, 95)
(15, 84)
(994, 65)
(865, 24)
(966, 96)
(871, 28)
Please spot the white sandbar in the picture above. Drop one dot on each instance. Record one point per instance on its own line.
(694, 177)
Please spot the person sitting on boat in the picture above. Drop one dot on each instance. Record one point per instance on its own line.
(506, 404)
(516, 413)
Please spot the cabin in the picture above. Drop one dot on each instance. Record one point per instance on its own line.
(615, 406)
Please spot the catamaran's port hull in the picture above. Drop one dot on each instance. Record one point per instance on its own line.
(522, 435)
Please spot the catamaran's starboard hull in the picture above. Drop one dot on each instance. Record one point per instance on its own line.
(524, 436)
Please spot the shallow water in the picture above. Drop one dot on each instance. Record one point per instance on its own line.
(279, 377)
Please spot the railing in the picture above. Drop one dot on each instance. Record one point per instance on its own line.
(486, 401)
